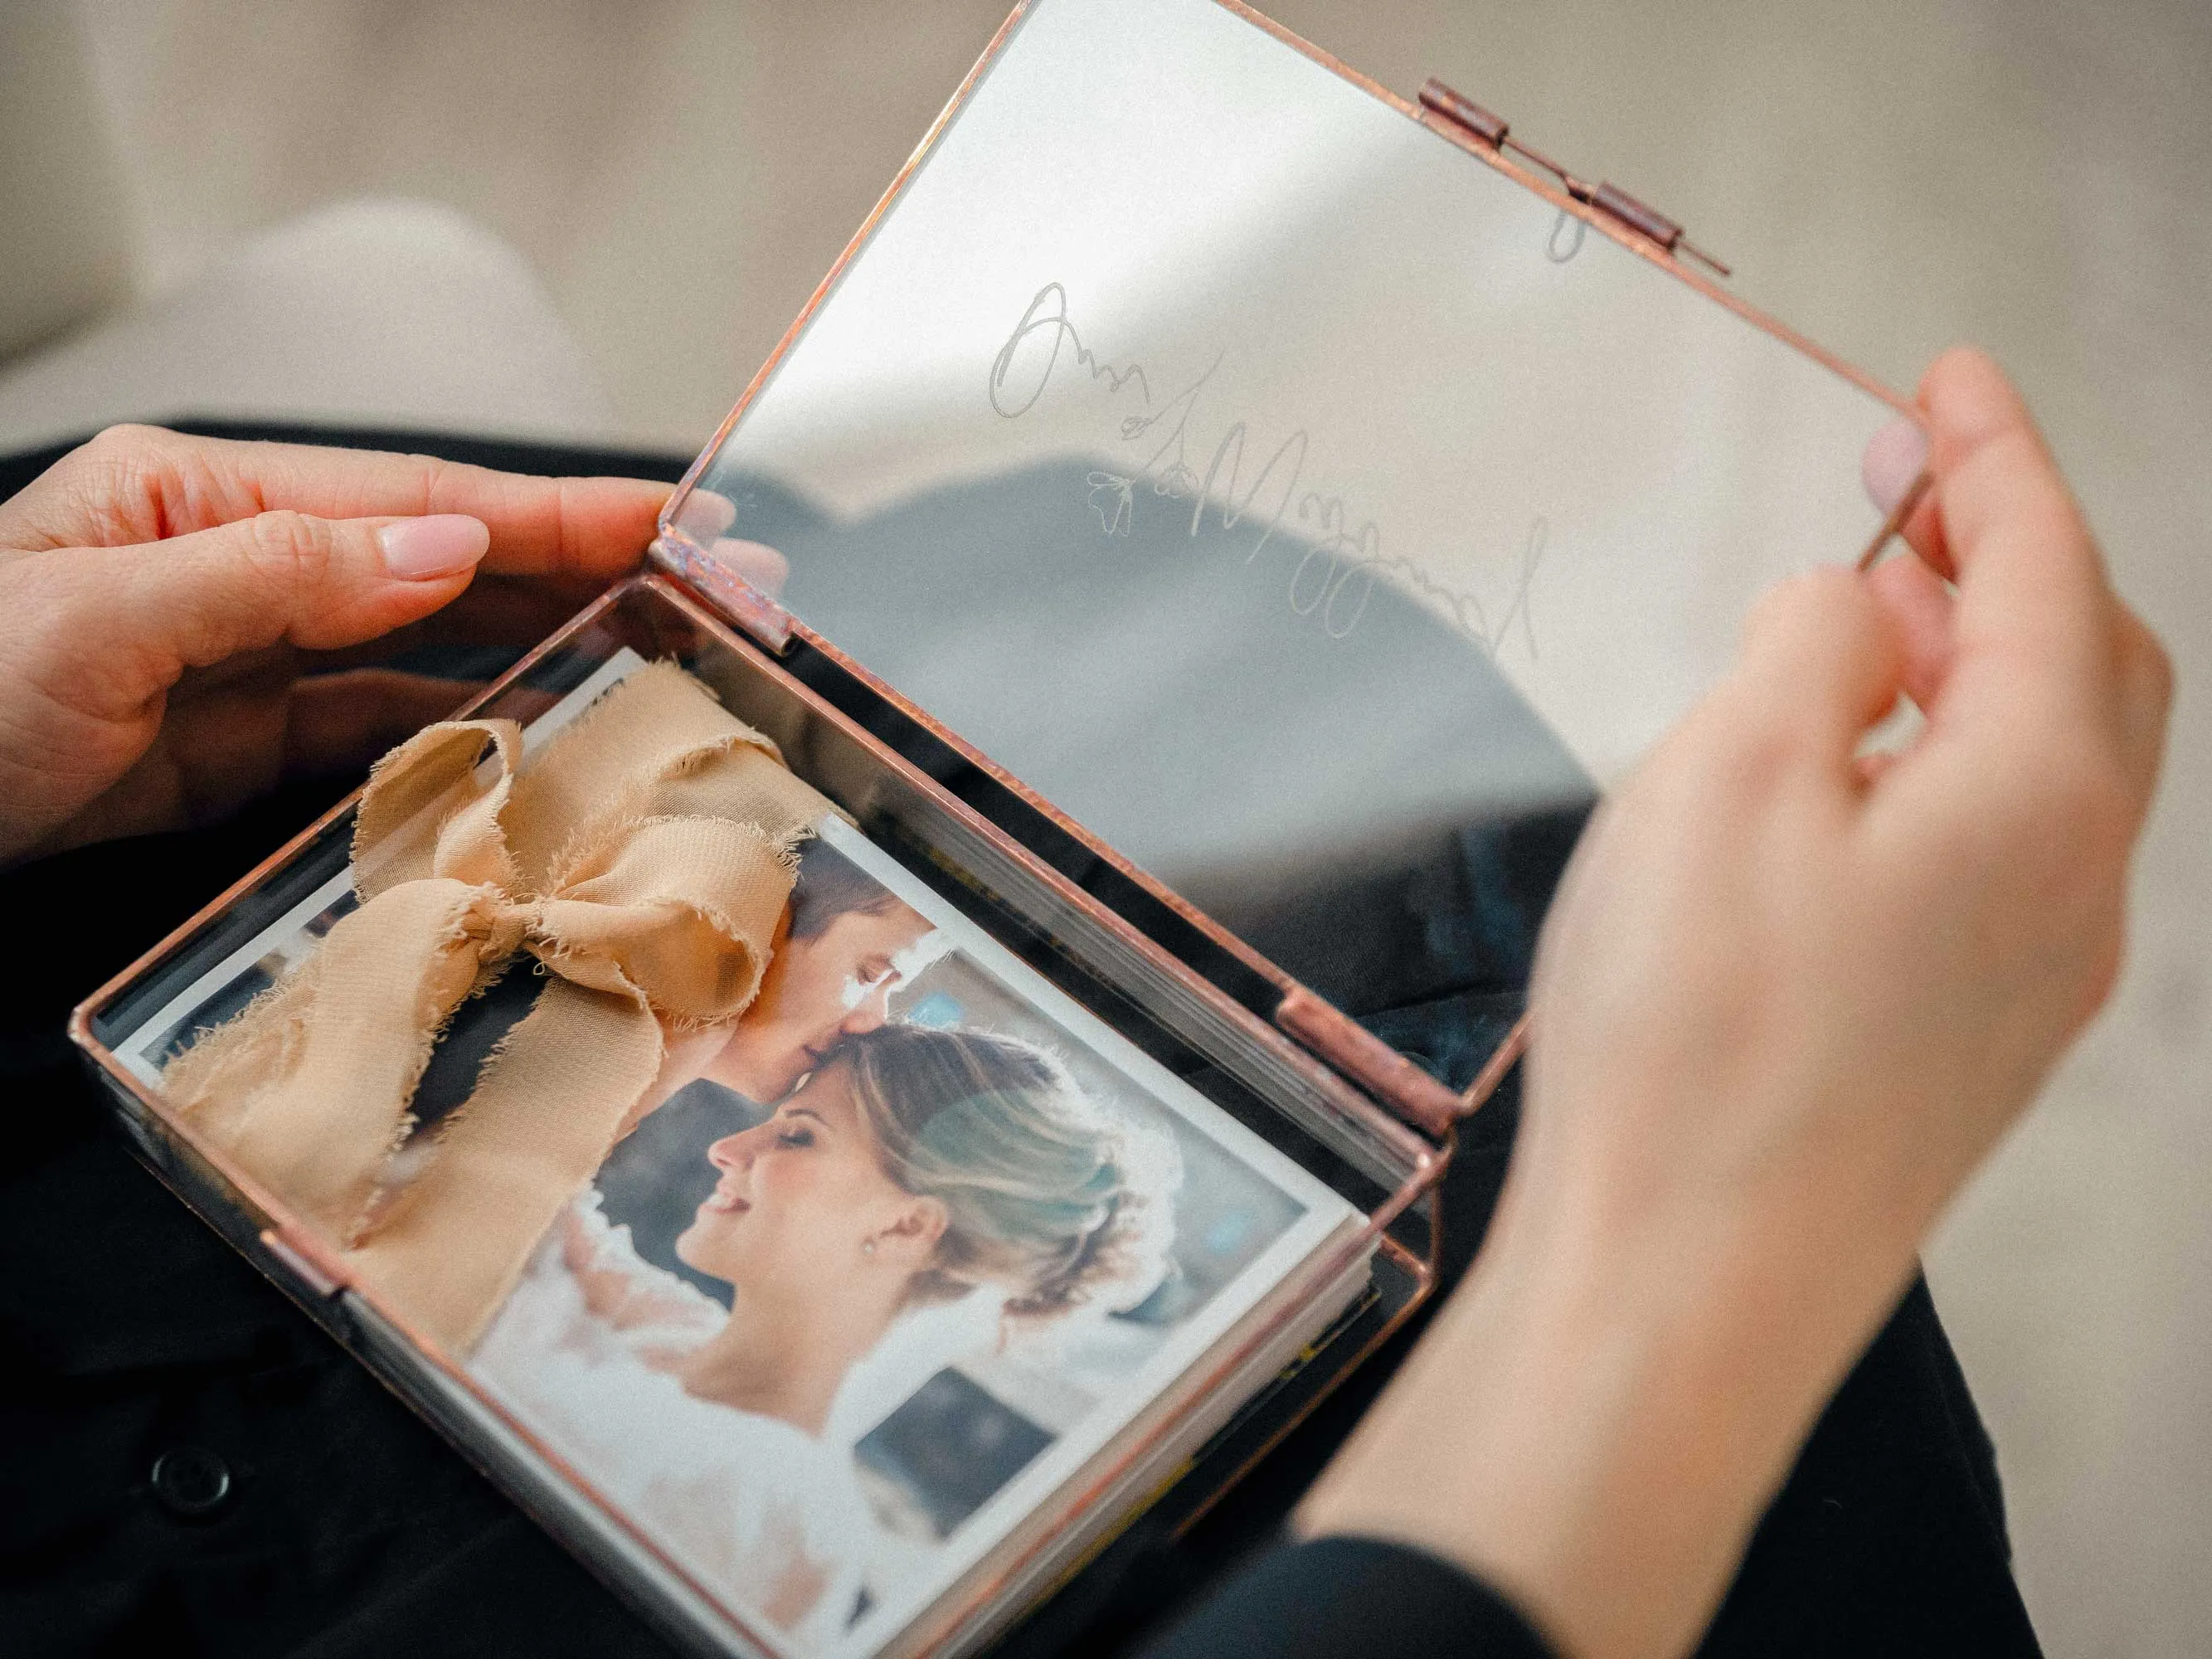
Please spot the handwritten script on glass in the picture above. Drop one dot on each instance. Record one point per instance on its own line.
(1164, 437)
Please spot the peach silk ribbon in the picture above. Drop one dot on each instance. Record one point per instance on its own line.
(645, 858)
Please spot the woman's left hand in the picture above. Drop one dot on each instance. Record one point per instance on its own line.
(171, 607)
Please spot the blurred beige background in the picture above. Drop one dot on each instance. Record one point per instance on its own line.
(1887, 176)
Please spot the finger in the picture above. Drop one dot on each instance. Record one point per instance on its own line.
(2032, 589)
(505, 613)
(120, 625)
(1873, 767)
(1920, 609)
(706, 513)
(2146, 702)
(1822, 659)
(498, 615)
(761, 566)
(143, 483)
(1895, 461)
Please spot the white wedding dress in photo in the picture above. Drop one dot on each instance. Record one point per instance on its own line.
(760, 1512)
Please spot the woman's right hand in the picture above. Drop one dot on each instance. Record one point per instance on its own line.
(1785, 1003)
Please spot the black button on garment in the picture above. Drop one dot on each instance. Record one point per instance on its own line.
(191, 1481)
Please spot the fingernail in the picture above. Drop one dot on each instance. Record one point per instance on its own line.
(1894, 456)
(442, 544)
(706, 514)
(762, 566)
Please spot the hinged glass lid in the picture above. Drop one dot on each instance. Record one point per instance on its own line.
(1267, 481)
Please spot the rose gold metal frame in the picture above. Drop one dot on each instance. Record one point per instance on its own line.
(312, 1272)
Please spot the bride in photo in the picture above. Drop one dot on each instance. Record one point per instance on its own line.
(914, 1168)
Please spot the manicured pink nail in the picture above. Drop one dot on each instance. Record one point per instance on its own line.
(442, 544)
(1893, 459)
(762, 566)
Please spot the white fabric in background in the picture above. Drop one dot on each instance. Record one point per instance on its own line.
(381, 313)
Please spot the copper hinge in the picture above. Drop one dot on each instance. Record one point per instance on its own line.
(1609, 199)
(725, 591)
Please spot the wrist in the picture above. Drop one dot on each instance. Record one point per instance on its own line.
(1597, 1420)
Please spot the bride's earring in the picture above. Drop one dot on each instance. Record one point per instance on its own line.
(867, 1247)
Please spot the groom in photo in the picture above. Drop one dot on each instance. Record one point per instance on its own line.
(848, 942)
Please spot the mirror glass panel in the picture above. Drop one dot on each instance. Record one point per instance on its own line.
(1314, 512)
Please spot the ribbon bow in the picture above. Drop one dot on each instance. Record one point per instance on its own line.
(644, 859)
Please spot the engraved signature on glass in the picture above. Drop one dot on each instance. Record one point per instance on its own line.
(1553, 251)
(1335, 578)
(1113, 499)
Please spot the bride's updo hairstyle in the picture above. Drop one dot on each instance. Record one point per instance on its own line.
(1045, 1192)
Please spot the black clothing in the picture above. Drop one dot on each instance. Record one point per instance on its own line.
(1336, 1596)
(185, 1460)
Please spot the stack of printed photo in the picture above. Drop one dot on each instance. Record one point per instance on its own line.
(904, 1287)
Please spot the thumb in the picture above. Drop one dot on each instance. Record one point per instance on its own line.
(131, 620)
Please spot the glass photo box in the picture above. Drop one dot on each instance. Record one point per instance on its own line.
(928, 1023)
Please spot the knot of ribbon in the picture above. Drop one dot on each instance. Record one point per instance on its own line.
(644, 859)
